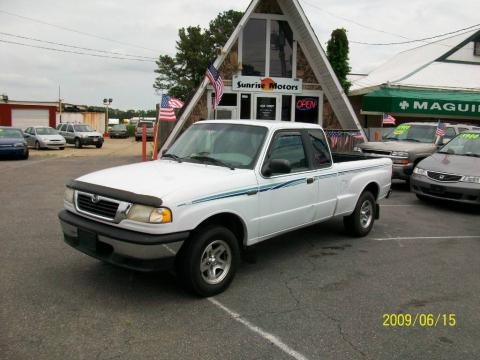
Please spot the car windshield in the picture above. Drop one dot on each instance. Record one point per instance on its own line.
(82, 128)
(46, 131)
(147, 123)
(119, 127)
(11, 133)
(416, 133)
(465, 144)
(229, 145)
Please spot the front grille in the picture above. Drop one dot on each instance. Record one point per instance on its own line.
(443, 177)
(102, 207)
(446, 194)
(377, 152)
(6, 145)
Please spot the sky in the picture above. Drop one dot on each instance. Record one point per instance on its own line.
(150, 28)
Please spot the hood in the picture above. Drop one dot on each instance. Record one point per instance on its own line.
(398, 146)
(51, 137)
(172, 181)
(452, 164)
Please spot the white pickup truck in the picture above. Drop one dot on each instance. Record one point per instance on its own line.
(220, 188)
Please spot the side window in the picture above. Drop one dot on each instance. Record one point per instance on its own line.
(27, 131)
(321, 154)
(70, 128)
(63, 127)
(289, 146)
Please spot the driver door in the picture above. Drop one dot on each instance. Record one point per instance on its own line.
(287, 200)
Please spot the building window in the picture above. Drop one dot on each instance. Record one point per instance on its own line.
(306, 109)
(228, 99)
(245, 106)
(281, 49)
(254, 45)
(476, 48)
(286, 107)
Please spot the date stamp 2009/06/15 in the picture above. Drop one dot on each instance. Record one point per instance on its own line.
(419, 320)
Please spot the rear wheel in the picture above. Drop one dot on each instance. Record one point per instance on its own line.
(37, 145)
(25, 155)
(360, 222)
(210, 260)
(99, 146)
(62, 148)
(78, 143)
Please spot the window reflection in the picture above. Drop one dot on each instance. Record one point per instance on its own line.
(281, 49)
(254, 44)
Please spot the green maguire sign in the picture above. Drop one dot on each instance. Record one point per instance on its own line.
(424, 102)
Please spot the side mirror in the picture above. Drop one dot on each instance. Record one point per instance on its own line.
(276, 166)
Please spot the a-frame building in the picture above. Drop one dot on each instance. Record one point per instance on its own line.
(273, 68)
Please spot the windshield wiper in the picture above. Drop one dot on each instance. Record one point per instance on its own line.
(409, 139)
(212, 160)
(472, 155)
(172, 156)
(391, 138)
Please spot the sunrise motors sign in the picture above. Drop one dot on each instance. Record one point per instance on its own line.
(266, 84)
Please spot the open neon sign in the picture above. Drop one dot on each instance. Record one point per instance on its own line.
(307, 104)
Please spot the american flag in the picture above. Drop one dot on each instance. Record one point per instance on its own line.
(358, 135)
(334, 137)
(167, 106)
(217, 83)
(389, 119)
(440, 129)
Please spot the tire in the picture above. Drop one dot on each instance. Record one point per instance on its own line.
(25, 156)
(98, 146)
(137, 138)
(62, 148)
(78, 143)
(360, 222)
(37, 145)
(200, 254)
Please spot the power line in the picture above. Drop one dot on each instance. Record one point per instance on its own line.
(78, 31)
(76, 47)
(74, 52)
(467, 29)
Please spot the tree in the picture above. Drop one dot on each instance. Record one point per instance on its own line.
(337, 53)
(196, 49)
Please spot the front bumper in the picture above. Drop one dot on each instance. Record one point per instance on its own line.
(462, 192)
(91, 141)
(12, 151)
(52, 144)
(125, 248)
(402, 172)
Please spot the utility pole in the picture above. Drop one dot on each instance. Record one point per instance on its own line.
(107, 103)
(60, 104)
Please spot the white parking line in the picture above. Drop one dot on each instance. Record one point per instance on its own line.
(267, 336)
(406, 205)
(428, 238)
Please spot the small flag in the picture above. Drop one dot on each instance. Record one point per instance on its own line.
(167, 106)
(389, 119)
(358, 135)
(215, 79)
(334, 137)
(440, 129)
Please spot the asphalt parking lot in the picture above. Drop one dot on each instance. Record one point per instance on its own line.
(311, 294)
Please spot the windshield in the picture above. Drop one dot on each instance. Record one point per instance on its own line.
(466, 144)
(231, 144)
(119, 127)
(11, 133)
(46, 131)
(417, 133)
(147, 123)
(82, 128)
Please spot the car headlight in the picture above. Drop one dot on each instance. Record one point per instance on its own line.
(68, 196)
(19, 144)
(83, 135)
(148, 214)
(399, 154)
(420, 171)
(357, 149)
(471, 179)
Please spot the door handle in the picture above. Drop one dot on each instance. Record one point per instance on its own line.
(310, 180)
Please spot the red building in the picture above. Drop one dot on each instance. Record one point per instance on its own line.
(23, 114)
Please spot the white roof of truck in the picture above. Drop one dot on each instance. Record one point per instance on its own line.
(273, 125)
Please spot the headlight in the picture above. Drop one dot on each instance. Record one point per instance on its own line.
(471, 179)
(68, 196)
(148, 214)
(399, 154)
(83, 135)
(357, 149)
(420, 171)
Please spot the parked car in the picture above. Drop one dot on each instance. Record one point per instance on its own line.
(222, 186)
(408, 144)
(80, 135)
(118, 131)
(139, 129)
(12, 143)
(43, 137)
(453, 173)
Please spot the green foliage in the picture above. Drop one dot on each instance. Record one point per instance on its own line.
(122, 114)
(337, 53)
(131, 130)
(196, 49)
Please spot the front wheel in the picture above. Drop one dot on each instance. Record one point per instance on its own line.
(360, 222)
(37, 145)
(78, 143)
(210, 261)
(98, 146)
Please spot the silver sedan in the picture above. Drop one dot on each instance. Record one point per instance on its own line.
(44, 137)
